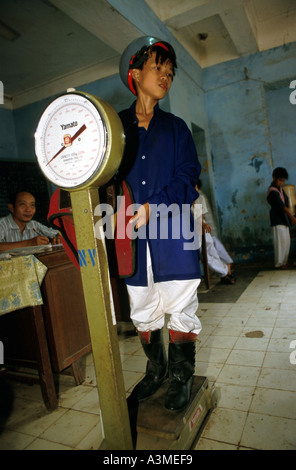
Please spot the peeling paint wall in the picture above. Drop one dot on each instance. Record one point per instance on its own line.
(251, 132)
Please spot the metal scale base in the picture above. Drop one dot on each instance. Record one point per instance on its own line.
(162, 429)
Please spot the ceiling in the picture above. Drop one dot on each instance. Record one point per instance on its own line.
(45, 45)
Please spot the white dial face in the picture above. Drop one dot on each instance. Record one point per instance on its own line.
(70, 141)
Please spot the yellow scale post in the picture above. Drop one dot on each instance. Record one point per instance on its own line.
(103, 331)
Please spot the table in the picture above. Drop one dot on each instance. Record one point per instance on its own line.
(46, 327)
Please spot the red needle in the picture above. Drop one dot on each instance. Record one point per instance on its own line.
(82, 128)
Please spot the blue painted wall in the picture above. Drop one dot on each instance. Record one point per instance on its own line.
(251, 132)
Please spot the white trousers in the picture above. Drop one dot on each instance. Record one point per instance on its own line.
(282, 243)
(218, 258)
(177, 298)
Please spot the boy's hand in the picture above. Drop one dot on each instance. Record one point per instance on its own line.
(142, 216)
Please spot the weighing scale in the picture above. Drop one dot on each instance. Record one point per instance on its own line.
(79, 144)
(175, 430)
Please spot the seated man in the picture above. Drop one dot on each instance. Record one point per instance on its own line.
(19, 230)
(218, 258)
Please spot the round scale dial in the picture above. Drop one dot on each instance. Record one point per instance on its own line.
(74, 138)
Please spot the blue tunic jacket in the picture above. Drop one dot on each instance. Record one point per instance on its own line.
(161, 166)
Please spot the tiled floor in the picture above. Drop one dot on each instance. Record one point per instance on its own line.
(245, 352)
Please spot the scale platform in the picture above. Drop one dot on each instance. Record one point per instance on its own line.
(162, 429)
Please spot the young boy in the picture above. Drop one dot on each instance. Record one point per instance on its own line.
(161, 167)
(280, 217)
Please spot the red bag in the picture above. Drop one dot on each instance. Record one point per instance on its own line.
(125, 247)
(61, 218)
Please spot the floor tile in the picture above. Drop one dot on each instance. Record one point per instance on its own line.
(135, 364)
(31, 417)
(216, 355)
(280, 345)
(130, 347)
(260, 321)
(277, 379)
(252, 344)
(12, 440)
(245, 358)
(223, 342)
(272, 402)
(269, 433)
(41, 444)
(234, 397)
(71, 428)
(211, 320)
(89, 403)
(92, 440)
(233, 321)
(278, 360)
(228, 330)
(239, 375)
(281, 322)
(71, 395)
(225, 426)
(208, 369)
(284, 333)
(209, 444)
(131, 378)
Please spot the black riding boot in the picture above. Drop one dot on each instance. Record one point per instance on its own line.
(156, 370)
(181, 369)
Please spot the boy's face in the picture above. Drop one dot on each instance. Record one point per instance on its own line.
(24, 208)
(154, 79)
(279, 181)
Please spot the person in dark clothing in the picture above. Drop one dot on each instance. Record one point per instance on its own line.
(281, 218)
